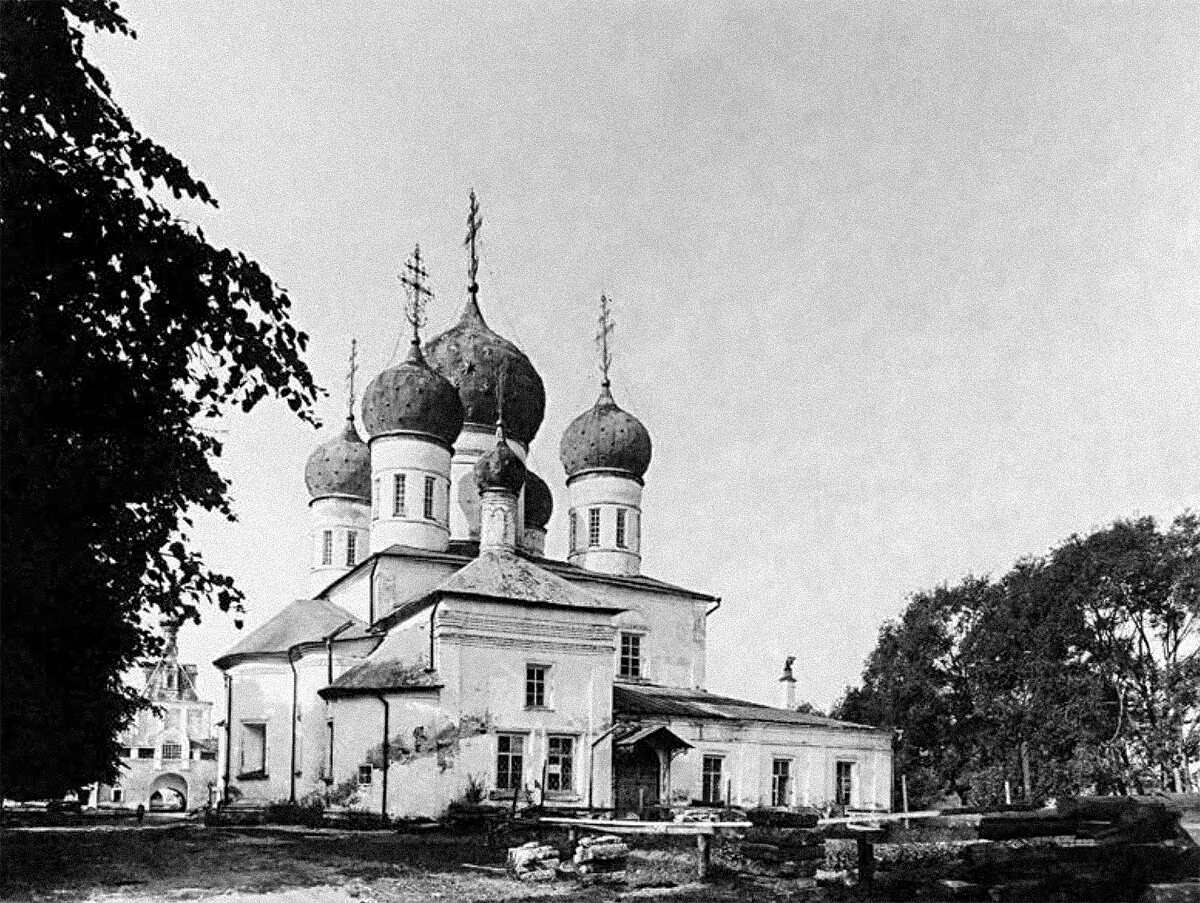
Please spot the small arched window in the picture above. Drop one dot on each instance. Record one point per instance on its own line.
(572, 529)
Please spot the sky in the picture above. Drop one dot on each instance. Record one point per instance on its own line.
(903, 291)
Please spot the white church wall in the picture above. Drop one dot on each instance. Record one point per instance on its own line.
(340, 517)
(483, 651)
(748, 753)
(262, 701)
(399, 580)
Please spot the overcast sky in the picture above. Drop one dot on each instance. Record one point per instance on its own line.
(903, 290)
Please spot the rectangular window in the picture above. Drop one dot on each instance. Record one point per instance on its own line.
(145, 752)
(631, 655)
(781, 781)
(430, 487)
(364, 774)
(844, 790)
(118, 795)
(621, 528)
(351, 548)
(126, 752)
(398, 495)
(710, 790)
(535, 686)
(593, 527)
(327, 547)
(172, 751)
(375, 500)
(510, 761)
(573, 528)
(560, 760)
(254, 748)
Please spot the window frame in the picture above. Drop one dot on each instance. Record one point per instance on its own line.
(116, 794)
(169, 748)
(711, 792)
(351, 548)
(565, 774)
(376, 498)
(399, 492)
(633, 656)
(622, 536)
(843, 790)
(247, 727)
(506, 757)
(593, 538)
(366, 775)
(326, 548)
(573, 531)
(537, 685)
(429, 502)
(781, 795)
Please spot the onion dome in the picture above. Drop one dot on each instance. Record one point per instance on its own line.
(605, 438)
(500, 468)
(539, 501)
(412, 398)
(341, 466)
(471, 356)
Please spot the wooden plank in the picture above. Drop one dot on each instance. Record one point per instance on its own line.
(879, 816)
(650, 827)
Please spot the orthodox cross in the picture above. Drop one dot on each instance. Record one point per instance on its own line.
(413, 279)
(474, 224)
(602, 335)
(350, 373)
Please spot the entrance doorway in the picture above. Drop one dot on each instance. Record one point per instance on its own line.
(638, 778)
(168, 793)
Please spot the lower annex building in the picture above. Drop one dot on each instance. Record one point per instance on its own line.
(442, 656)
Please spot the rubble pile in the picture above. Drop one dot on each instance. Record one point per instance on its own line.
(602, 857)
(781, 843)
(533, 861)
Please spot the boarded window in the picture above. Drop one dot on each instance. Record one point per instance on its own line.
(621, 528)
(351, 548)
(560, 762)
(593, 527)
(781, 782)
(535, 686)
(254, 748)
(430, 488)
(631, 655)
(510, 761)
(710, 790)
(327, 547)
(844, 789)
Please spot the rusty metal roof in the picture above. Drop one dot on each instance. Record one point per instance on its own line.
(340, 466)
(640, 700)
(604, 437)
(392, 676)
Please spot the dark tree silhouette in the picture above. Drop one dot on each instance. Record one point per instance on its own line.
(124, 331)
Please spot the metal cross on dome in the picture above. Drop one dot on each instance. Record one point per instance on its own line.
(419, 294)
(350, 373)
(474, 224)
(606, 327)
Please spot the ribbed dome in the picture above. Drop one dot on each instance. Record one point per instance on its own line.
(470, 355)
(412, 398)
(539, 501)
(605, 438)
(341, 466)
(500, 468)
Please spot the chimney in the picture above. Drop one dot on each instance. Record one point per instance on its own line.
(787, 685)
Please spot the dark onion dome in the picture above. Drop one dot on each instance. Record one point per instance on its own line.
(539, 501)
(341, 466)
(500, 468)
(412, 398)
(471, 356)
(605, 438)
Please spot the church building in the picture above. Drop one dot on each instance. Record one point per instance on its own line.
(441, 656)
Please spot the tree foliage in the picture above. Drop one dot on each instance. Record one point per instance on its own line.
(124, 332)
(1075, 671)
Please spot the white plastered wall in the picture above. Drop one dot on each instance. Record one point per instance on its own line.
(416, 457)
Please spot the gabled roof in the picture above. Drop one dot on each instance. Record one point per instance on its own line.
(303, 621)
(649, 699)
(506, 577)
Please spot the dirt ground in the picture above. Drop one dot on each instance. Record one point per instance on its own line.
(283, 865)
